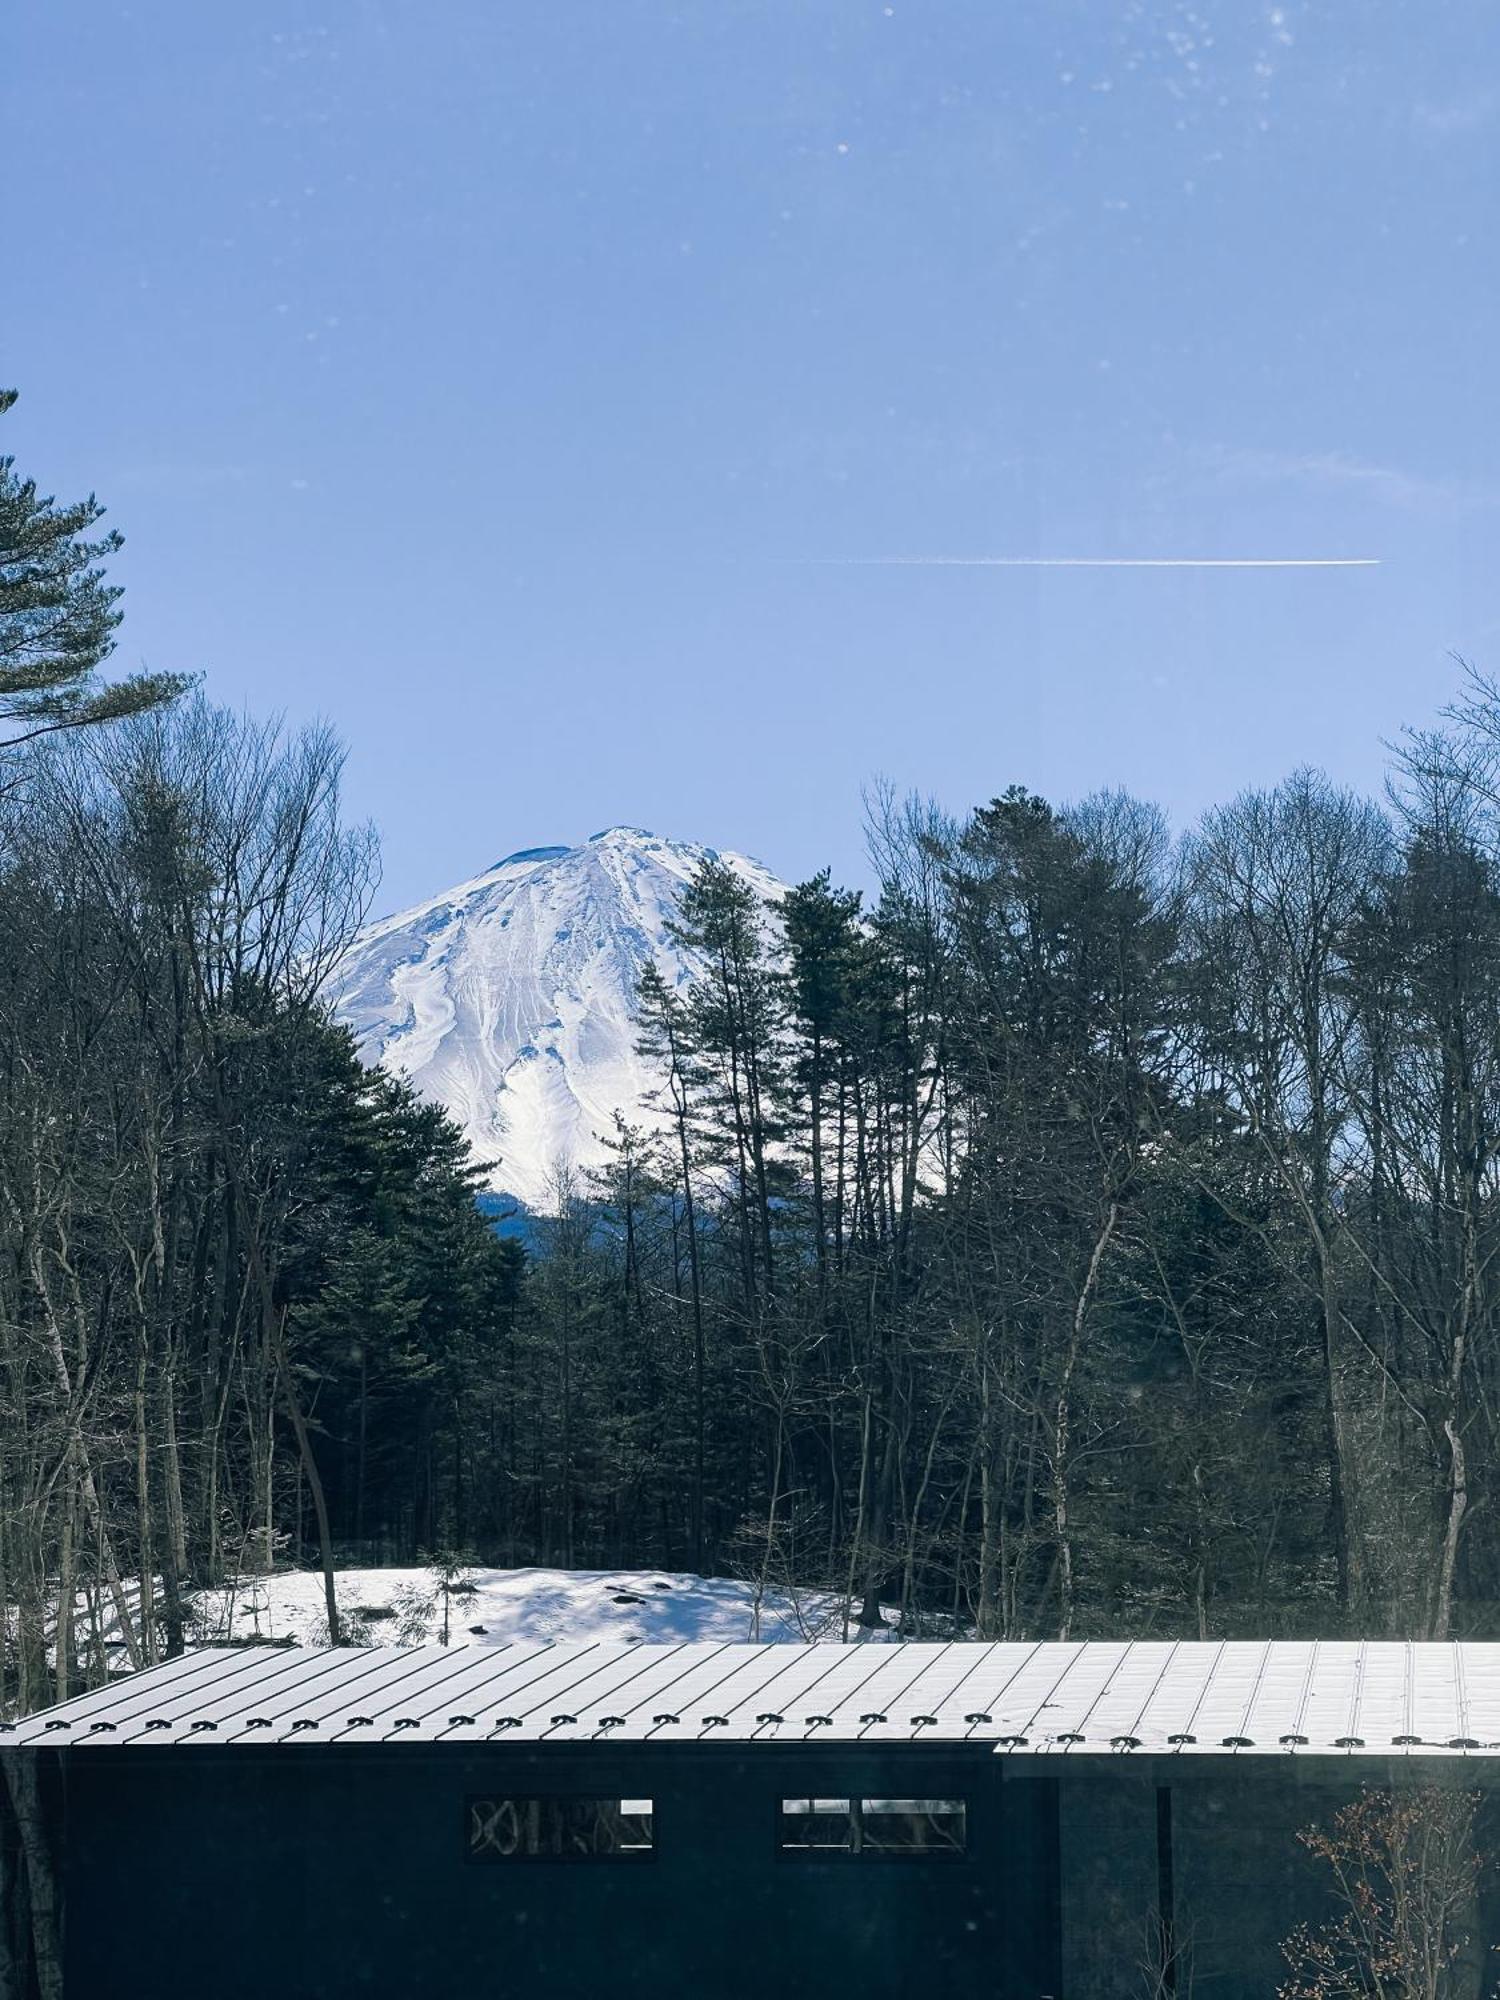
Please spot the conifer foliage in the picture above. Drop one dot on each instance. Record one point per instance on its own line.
(1082, 1232)
(247, 1302)
(1093, 1233)
(59, 615)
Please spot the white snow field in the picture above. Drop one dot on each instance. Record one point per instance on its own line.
(496, 1607)
(510, 999)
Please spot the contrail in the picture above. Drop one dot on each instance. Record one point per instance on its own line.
(1098, 562)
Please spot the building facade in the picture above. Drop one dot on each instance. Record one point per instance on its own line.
(704, 1820)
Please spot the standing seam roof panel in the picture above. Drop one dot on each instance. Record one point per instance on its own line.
(1084, 1680)
(273, 1695)
(1025, 1679)
(1012, 1659)
(1115, 1711)
(852, 1680)
(1477, 1670)
(368, 1693)
(673, 1711)
(1178, 1697)
(901, 1697)
(1046, 1697)
(1279, 1693)
(212, 1698)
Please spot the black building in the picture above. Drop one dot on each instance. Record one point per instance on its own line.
(710, 1820)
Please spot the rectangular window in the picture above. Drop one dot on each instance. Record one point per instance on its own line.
(560, 1829)
(872, 1826)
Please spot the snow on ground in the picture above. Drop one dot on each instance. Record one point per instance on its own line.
(497, 1607)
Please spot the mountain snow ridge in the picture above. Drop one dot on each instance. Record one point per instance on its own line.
(510, 999)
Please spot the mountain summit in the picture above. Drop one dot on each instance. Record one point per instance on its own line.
(510, 999)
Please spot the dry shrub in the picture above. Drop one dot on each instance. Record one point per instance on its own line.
(1406, 1871)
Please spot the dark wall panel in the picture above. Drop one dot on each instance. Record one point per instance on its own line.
(332, 1870)
(1108, 1875)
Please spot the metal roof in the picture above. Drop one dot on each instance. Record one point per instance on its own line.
(1284, 1696)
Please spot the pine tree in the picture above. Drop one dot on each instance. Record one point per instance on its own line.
(59, 616)
(821, 928)
(666, 1039)
(734, 1005)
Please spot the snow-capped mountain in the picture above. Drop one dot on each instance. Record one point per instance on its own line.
(510, 999)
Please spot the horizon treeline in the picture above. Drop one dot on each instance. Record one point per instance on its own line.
(1093, 1233)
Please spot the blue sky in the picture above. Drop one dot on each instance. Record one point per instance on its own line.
(513, 381)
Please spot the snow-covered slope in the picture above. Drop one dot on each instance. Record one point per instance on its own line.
(510, 999)
(498, 1607)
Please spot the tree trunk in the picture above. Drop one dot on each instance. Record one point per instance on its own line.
(1062, 1430)
(314, 1481)
(43, 1901)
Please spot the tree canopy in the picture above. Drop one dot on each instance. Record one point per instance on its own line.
(59, 616)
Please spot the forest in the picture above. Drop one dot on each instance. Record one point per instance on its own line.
(1089, 1230)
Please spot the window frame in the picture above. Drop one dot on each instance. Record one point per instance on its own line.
(633, 1857)
(858, 1801)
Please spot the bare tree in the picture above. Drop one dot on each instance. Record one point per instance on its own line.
(1405, 1875)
